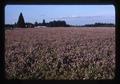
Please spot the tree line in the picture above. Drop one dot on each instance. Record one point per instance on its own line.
(22, 24)
(99, 25)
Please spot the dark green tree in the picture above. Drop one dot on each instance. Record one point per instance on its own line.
(15, 25)
(36, 23)
(21, 22)
(57, 24)
(44, 23)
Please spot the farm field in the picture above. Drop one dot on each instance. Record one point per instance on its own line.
(66, 53)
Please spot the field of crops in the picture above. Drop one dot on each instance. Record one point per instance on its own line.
(60, 53)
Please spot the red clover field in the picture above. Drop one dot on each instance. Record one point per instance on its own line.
(66, 53)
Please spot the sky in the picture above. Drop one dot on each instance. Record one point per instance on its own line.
(69, 13)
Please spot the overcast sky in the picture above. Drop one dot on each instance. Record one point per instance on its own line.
(37, 13)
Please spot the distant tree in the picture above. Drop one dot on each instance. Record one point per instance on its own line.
(39, 24)
(29, 25)
(15, 25)
(36, 23)
(21, 22)
(44, 23)
(57, 24)
(9, 26)
(99, 25)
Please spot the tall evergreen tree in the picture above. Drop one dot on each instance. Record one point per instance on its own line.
(21, 22)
